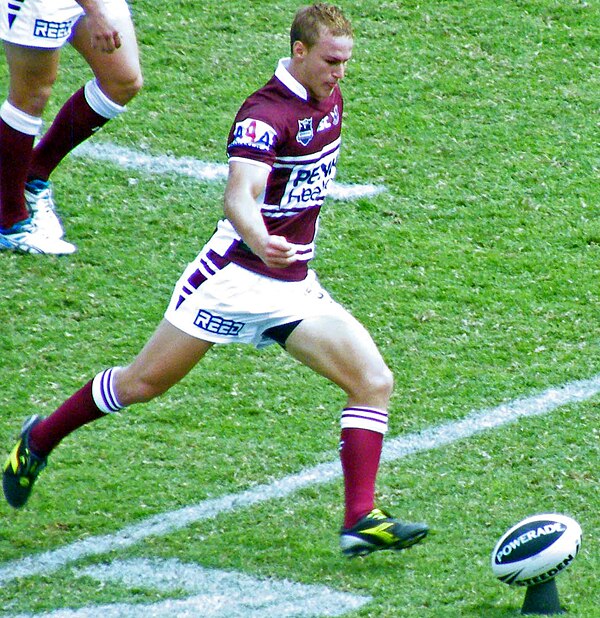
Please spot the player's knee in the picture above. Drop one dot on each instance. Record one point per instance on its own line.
(134, 388)
(32, 102)
(147, 390)
(125, 90)
(384, 381)
(121, 89)
(134, 86)
(376, 384)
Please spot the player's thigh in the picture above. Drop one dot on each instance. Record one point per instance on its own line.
(32, 72)
(341, 349)
(168, 357)
(118, 73)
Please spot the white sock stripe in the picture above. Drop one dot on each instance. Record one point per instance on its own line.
(371, 413)
(371, 410)
(19, 120)
(103, 392)
(99, 102)
(358, 423)
(365, 418)
(110, 389)
(106, 386)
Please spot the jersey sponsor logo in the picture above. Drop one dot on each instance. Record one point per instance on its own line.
(305, 131)
(309, 184)
(253, 133)
(51, 29)
(217, 324)
(331, 120)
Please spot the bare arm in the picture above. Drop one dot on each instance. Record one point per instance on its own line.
(103, 33)
(245, 183)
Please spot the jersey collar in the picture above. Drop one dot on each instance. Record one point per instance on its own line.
(285, 77)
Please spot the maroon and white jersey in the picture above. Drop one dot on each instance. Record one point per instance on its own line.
(298, 139)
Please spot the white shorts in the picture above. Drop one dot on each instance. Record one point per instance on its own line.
(235, 305)
(46, 23)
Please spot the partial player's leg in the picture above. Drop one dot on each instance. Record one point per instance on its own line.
(117, 79)
(32, 74)
(340, 349)
(165, 360)
(118, 74)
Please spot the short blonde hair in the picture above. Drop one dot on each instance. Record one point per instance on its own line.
(310, 21)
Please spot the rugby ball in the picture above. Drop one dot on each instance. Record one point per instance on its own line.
(536, 549)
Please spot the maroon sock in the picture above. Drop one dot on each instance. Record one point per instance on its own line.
(15, 155)
(360, 452)
(72, 414)
(74, 123)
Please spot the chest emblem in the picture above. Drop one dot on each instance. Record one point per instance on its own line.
(305, 131)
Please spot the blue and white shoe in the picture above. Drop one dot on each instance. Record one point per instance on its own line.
(40, 201)
(25, 237)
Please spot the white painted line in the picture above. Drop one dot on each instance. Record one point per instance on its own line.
(477, 422)
(153, 165)
(398, 448)
(214, 594)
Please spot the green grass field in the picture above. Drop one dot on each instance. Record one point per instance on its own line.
(476, 271)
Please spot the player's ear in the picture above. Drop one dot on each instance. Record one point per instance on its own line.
(299, 49)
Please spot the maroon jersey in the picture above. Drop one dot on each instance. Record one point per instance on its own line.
(298, 139)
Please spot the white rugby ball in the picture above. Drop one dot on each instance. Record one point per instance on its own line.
(536, 549)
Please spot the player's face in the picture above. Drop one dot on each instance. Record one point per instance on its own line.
(321, 67)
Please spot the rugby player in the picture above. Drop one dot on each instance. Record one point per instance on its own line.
(251, 283)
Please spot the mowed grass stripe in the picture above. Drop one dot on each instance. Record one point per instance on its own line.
(395, 449)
